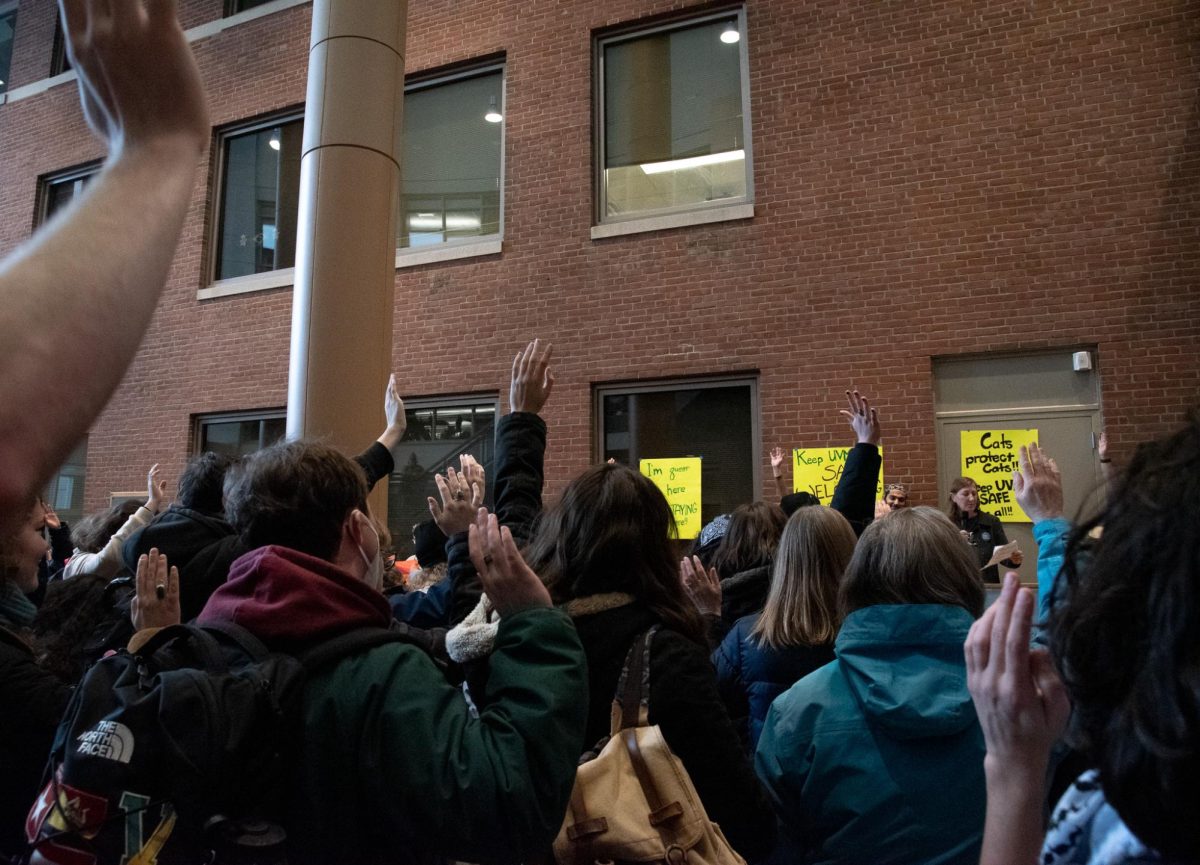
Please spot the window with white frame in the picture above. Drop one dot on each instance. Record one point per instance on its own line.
(714, 419)
(258, 197)
(453, 158)
(673, 126)
(438, 431)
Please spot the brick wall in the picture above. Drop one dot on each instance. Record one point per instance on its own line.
(931, 178)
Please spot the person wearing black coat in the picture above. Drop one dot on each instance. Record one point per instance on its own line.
(605, 553)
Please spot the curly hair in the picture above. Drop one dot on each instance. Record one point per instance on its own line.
(295, 494)
(1126, 639)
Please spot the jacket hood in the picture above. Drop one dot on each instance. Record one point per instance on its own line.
(906, 668)
(290, 599)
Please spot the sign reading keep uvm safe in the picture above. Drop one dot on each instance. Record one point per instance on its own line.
(989, 457)
(817, 471)
(679, 480)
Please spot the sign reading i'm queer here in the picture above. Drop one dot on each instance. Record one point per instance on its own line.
(989, 457)
(817, 471)
(679, 480)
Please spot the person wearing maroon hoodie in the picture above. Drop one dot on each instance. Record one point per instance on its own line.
(391, 766)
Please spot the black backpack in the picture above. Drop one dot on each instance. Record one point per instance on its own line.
(177, 753)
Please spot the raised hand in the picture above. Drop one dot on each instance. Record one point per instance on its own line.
(473, 473)
(509, 583)
(156, 490)
(156, 601)
(702, 586)
(460, 501)
(1037, 484)
(776, 459)
(863, 419)
(137, 79)
(532, 380)
(1022, 705)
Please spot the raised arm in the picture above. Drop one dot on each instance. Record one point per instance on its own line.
(854, 495)
(97, 270)
(521, 441)
(777, 471)
(1023, 709)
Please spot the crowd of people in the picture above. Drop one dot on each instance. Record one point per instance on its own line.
(830, 678)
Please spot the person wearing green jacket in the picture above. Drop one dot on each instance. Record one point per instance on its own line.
(877, 757)
(391, 765)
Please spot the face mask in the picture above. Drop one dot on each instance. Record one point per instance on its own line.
(374, 574)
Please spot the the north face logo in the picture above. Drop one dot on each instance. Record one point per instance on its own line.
(109, 740)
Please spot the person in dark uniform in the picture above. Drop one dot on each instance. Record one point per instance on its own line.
(982, 531)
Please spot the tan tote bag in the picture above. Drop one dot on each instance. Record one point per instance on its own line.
(634, 801)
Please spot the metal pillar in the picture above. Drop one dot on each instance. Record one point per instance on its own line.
(343, 303)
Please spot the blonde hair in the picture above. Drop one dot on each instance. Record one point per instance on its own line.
(801, 607)
(915, 556)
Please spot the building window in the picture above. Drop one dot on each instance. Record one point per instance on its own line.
(239, 434)
(59, 190)
(453, 157)
(8, 27)
(259, 198)
(438, 431)
(716, 420)
(59, 61)
(674, 126)
(233, 7)
(64, 492)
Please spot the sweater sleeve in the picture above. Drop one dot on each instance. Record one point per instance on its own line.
(376, 462)
(1051, 537)
(685, 704)
(108, 562)
(520, 472)
(854, 495)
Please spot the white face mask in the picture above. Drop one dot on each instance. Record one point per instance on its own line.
(374, 575)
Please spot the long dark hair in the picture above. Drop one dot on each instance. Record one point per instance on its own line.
(751, 539)
(610, 531)
(1126, 638)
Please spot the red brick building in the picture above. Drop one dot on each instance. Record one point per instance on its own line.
(911, 185)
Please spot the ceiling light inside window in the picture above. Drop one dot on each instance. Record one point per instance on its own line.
(273, 142)
(692, 161)
(730, 34)
(492, 116)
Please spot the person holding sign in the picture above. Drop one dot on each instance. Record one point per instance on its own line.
(982, 531)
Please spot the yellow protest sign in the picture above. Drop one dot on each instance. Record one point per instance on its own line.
(989, 457)
(817, 471)
(679, 480)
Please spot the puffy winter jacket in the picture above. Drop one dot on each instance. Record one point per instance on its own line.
(877, 757)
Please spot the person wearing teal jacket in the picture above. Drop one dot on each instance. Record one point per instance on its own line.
(877, 757)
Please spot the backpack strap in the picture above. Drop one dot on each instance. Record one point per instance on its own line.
(631, 703)
(246, 641)
(199, 638)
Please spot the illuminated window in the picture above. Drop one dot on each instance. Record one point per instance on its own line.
(259, 198)
(453, 147)
(674, 127)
